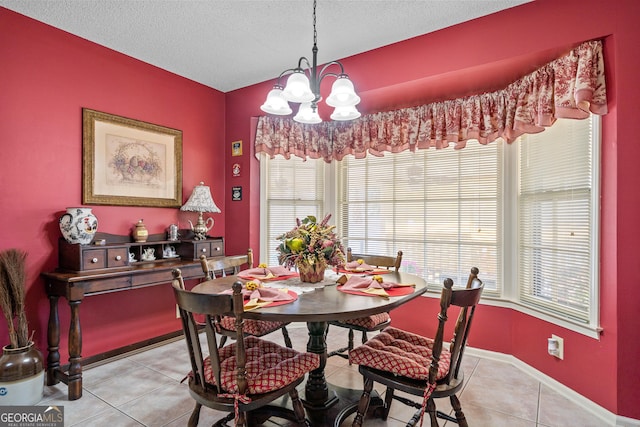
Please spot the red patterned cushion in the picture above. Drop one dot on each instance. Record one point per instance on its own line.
(369, 322)
(400, 352)
(269, 366)
(251, 327)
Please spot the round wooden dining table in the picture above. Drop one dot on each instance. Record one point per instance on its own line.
(315, 305)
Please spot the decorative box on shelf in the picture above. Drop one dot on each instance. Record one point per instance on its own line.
(120, 252)
(193, 249)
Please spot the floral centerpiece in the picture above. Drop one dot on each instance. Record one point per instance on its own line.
(311, 247)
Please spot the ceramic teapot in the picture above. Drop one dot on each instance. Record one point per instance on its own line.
(201, 228)
(149, 254)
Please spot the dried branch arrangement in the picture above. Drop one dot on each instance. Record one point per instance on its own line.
(12, 295)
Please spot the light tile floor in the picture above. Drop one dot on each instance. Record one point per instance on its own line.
(144, 389)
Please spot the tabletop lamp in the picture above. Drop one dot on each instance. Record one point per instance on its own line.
(201, 201)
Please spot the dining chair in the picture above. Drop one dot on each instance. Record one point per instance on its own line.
(418, 365)
(371, 323)
(225, 325)
(245, 376)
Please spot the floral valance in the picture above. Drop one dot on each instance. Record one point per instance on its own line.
(568, 87)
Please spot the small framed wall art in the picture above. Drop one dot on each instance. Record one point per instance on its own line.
(236, 194)
(236, 148)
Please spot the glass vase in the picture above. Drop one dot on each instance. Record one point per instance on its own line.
(311, 273)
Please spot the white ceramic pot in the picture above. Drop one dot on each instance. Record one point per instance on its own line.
(78, 225)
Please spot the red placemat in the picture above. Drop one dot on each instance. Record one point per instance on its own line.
(275, 303)
(288, 276)
(393, 292)
(368, 273)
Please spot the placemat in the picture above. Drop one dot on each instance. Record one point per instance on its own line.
(393, 292)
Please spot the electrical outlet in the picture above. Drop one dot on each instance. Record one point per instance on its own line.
(555, 347)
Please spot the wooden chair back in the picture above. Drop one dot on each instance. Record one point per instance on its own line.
(228, 388)
(191, 305)
(467, 299)
(213, 267)
(380, 261)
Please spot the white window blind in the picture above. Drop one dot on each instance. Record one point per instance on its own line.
(448, 210)
(557, 251)
(440, 207)
(294, 189)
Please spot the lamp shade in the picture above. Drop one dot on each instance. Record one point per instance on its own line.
(200, 200)
(298, 88)
(275, 103)
(307, 115)
(345, 113)
(342, 93)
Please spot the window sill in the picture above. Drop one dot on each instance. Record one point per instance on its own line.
(587, 330)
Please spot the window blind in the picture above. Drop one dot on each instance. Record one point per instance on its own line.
(440, 207)
(555, 219)
(448, 210)
(294, 189)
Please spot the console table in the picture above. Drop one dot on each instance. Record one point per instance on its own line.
(114, 273)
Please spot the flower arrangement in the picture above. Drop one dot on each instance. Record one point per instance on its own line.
(311, 244)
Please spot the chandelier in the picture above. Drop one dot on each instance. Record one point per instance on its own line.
(303, 87)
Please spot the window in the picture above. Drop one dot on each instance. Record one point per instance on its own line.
(524, 213)
(556, 232)
(293, 189)
(440, 207)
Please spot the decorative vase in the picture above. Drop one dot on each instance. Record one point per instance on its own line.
(140, 233)
(78, 225)
(311, 273)
(21, 375)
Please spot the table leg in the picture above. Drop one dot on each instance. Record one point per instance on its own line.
(75, 352)
(53, 340)
(317, 394)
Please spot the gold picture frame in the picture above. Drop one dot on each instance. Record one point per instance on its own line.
(128, 162)
(236, 148)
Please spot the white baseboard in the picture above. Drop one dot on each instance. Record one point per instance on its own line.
(596, 410)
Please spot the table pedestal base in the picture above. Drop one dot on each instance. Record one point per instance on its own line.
(342, 400)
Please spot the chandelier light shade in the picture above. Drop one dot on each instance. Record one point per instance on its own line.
(348, 112)
(303, 87)
(298, 88)
(306, 114)
(276, 104)
(201, 201)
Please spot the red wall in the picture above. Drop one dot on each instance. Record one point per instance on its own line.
(485, 54)
(46, 78)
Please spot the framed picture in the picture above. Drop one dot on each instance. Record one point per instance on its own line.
(236, 148)
(236, 194)
(127, 162)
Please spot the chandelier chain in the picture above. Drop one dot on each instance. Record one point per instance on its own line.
(315, 33)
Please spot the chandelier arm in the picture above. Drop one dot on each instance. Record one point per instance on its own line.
(285, 73)
(305, 60)
(293, 70)
(338, 63)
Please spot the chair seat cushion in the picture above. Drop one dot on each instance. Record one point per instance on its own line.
(369, 322)
(251, 327)
(269, 366)
(401, 353)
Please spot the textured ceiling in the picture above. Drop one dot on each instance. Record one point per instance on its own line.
(229, 44)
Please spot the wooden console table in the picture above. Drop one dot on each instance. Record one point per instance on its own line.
(75, 285)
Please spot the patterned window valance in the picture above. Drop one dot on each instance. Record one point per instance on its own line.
(568, 87)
